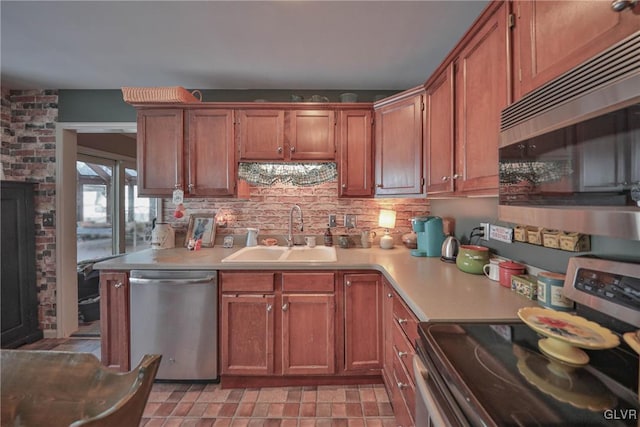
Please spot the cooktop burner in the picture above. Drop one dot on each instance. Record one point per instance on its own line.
(497, 376)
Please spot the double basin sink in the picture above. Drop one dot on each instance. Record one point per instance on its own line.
(276, 254)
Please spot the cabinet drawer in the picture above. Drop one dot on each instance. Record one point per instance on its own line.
(405, 318)
(247, 282)
(308, 282)
(403, 350)
(404, 386)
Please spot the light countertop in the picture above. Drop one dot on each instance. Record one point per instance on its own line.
(433, 289)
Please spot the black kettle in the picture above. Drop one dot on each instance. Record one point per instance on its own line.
(450, 248)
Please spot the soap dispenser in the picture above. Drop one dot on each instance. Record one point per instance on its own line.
(328, 237)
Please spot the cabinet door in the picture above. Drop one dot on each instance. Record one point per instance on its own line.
(481, 93)
(388, 325)
(363, 321)
(247, 334)
(308, 334)
(160, 152)
(114, 320)
(261, 134)
(356, 158)
(439, 135)
(399, 147)
(311, 134)
(551, 37)
(211, 166)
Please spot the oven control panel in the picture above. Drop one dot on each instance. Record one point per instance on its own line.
(617, 288)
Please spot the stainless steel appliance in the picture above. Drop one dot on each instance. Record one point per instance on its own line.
(174, 313)
(493, 373)
(569, 154)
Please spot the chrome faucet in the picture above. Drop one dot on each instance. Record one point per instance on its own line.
(290, 235)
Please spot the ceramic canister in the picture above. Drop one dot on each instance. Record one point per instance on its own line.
(472, 258)
(508, 269)
(550, 292)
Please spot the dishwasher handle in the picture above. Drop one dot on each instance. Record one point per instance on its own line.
(177, 281)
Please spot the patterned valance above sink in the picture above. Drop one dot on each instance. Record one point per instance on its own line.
(298, 174)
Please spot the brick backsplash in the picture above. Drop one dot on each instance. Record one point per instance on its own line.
(268, 209)
(28, 154)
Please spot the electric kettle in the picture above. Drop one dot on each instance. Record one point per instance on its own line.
(450, 248)
(162, 236)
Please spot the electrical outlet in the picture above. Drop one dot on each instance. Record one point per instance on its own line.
(350, 221)
(48, 220)
(332, 220)
(485, 230)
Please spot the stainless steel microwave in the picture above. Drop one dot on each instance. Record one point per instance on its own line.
(569, 155)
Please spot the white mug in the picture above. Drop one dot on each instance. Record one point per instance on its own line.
(493, 272)
(310, 241)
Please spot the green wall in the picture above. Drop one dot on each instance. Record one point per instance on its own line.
(108, 106)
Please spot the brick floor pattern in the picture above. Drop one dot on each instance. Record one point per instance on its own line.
(204, 405)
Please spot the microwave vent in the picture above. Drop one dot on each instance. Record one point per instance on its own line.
(617, 63)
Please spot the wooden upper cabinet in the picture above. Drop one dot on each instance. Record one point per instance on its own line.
(261, 134)
(211, 161)
(482, 91)
(356, 153)
(551, 37)
(160, 151)
(311, 134)
(439, 134)
(398, 145)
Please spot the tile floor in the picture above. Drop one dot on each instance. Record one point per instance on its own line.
(200, 405)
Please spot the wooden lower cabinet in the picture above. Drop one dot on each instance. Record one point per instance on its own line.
(247, 326)
(363, 321)
(287, 329)
(400, 333)
(114, 319)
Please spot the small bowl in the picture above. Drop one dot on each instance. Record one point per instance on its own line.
(348, 97)
(270, 242)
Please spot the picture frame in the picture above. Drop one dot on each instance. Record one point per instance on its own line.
(201, 226)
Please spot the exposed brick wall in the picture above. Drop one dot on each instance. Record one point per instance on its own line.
(268, 209)
(28, 154)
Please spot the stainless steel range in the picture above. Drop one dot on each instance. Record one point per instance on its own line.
(494, 374)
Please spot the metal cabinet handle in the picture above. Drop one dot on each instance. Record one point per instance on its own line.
(379, 185)
(177, 186)
(191, 187)
(285, 307)
(348, 282)
(269, 308)
(292, 149)
(402, 385)
(389, 295)
(402, 354)
(456, 176)
(445, 178)
(402, 321)
(344, 185)
(279, 149)
(118, 285)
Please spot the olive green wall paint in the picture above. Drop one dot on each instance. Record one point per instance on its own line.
(486, 210)
(107, 105)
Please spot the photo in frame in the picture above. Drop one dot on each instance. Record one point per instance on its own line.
(202, 226)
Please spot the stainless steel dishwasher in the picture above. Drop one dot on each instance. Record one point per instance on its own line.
(174, 313)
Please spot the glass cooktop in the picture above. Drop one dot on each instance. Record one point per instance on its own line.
(497, 376)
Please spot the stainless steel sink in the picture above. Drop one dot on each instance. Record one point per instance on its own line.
(268, 254)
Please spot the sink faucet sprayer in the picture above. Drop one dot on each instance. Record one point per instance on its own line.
(290, 235)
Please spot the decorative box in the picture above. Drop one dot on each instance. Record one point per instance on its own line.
(534, 235)
(525, 285)
(551, 238)
(575, 242)
(520, 233)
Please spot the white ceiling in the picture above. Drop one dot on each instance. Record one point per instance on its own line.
(355, 45)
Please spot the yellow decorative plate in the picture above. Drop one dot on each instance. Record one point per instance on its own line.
(633, 339)
(566, 332)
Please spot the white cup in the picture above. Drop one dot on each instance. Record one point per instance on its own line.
(310, 241)
(491, 270)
